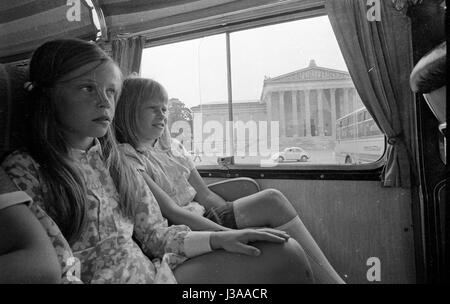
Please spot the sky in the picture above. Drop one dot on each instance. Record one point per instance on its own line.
(194, 71)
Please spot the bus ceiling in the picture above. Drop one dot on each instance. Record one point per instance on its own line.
(27, 24)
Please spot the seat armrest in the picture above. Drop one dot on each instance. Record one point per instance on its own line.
(232, 189)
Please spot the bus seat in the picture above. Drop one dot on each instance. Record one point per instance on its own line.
(429, 78)
(235, 188)
(12, 106)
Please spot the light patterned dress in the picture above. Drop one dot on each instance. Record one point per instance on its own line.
(170, 169)
(70, 265)
(107, 252)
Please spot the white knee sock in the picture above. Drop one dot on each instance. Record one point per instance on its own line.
(324, 273)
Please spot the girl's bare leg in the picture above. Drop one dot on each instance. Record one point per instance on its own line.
(277, 264)
(270, 208)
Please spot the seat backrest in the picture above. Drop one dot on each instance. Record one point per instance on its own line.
(13, 106)
(429, 77)
(234, 188)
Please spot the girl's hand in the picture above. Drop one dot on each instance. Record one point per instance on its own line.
(237, 240)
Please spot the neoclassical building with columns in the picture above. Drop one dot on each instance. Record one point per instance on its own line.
(305, 102)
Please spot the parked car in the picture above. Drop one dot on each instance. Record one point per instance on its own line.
(291, 154)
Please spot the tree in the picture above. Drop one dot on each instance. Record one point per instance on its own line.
(178, 111)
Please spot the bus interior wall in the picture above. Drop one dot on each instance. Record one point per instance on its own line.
(428, 30)
(354, 222)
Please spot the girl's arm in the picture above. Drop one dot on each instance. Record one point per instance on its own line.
(156, 238)
(6, 185)
(26, 253)
(178, 215)
(239, 241)
(23, 171)
(204, 195)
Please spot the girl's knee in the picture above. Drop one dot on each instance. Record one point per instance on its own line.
(274, 198)
(273, 194)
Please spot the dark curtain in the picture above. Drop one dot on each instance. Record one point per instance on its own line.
(378, 55)
(127, 52)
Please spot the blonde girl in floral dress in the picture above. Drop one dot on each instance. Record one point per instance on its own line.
(141, 125)
(73, 169)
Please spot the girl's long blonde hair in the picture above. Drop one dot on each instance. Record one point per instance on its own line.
(66, 197)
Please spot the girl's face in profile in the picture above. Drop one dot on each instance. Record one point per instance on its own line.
(85, 102)
(152, 119)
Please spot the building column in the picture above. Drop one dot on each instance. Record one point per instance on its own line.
(333, 112)
(351, 104)
(320, 126)
(355, 100)
(295, 112)
(307, 113)
(346, 102)
(282, 115)
(268, 100)
(269, 108)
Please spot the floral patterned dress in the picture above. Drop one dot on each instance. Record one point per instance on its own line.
(70, 265)
(170, 169)
(106, 249)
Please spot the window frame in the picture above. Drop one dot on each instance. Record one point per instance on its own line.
(283, 12)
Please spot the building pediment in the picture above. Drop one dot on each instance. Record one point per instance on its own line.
(310, 74)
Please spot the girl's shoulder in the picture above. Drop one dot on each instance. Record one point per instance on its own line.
(126, 148)
(177, 147)
(132, 155)
(179, 150)
(20, 158)
(24, 171)
(175, 143)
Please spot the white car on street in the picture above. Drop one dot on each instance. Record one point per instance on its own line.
(291, 154)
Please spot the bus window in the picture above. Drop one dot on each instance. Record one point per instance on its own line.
(254, 93)
(194, 74)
